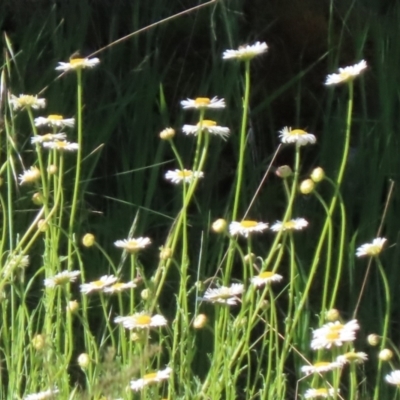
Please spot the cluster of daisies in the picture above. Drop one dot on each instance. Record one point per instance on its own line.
(55, 140)
(332, 334)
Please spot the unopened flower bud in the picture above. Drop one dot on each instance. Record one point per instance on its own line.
(199, 286)
(265, 305)
(318, 174)
(42, 225)
(38, 199)
(135, 337)
(373, 339)
(38, 342)
(165, 253)
(385, 354)
(200, 321)
(284, 171)
(249, 258)
(219, 225)
(52, 169)
(167, 134)
(84, 360)
(332, 315)
(307, 186)
(72, 306)
(88, 240)
(144, 294)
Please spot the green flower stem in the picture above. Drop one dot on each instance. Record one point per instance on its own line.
(107, 318)
(242, 143)
(384, 338)
(342, 238)
(353, 381)
(339, 179)
(10, 188)
(198, 142)
(41, 164)
(78, 168)
(108, 258)
(221, 322)
(328, 264)
(173, 237)
(133, 273)
(289, 209)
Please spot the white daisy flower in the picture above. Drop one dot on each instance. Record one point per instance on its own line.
(224, 294)
(141, 321)
(334, 334)
(27, 101)
(207, 126)
(294, 224)
(95, 286)
(393, 378)
(298, 136)
(371, 249)
(352, 357)
(265, 277)
(49, 137)
(246, 52)
(346, 74)
(320, 393)
(55, 120)
(29, 176)
(119, 287)
(77, 63)
(246, 227)
(152, 378)
(203, 102)
(61, 278)
(48, 394)
(320, 367)
(186, 175)
(133, 245)
(61, 145)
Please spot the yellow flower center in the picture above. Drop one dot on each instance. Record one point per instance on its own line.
(321, 364)
(345, 76)
(248, 224)
(289, 225)
(150, 377)
(117, 286)
(185, 173)
(334, 333)
(374, 250)
(224, 294)
(60, 144)
(76, 61)
(143, 320)
(55, 117)
(27, 100)
(336, 328)
(98, 284)
(266, 275)
(59, 280)
(353, 356)
(321, 392)
(207, 123)
(132, 246)
(297, 132)
(47, 137)
(202, 101)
